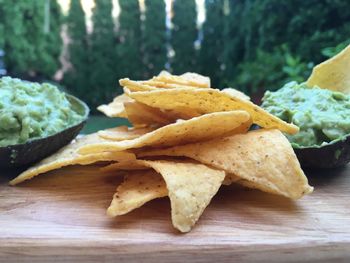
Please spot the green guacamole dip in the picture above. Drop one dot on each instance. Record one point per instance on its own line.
(32, 110)
(322, 115)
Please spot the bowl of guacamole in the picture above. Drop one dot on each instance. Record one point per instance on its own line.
(322, 116)
(36, 120)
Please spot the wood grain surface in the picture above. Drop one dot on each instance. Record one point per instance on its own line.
(60, 217)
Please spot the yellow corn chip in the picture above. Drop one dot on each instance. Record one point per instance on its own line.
(162, 85)
(201, 128)
(69, 155)
(116, 107)
(142, 115)
(128, 165)
(265, 158)
(122, 133)
(235, 93)
(191, 186)
(136, 85)
(187, 80)
(207, 101)
(333, 73)
(197, 79)
(138, 188)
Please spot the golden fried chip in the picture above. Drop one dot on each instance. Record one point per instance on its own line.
(333, 73)
(197, 78)
(116, 107)
(136, 85)
(138, 188)
(235, 93)
(142, 115)
(128, 165)
(201, 128)
(160, 84)
(191, 186)
(69, 155)
(265, 158)
(207, 101)
(122, 133)
(187, 79)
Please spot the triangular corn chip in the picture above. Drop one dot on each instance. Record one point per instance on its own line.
(235, 93)
(201, 128)
(208, 101)
(69, 155)
(333, 74)
(122, 133)
(128, 165)
(142, 115)
(116, 107)
(187, 79)
(198, 79)
(138, 188)
(265, 158)
(191, 186)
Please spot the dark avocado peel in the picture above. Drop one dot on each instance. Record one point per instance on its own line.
(24, 154)
(330, 155)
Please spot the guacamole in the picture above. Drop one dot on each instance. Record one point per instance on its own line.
(322, 115)
(32, 110)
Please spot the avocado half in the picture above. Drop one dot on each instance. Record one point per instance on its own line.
(331, 155)
(37, 149)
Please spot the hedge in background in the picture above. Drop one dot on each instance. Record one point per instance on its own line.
(183, 35)
(154, 38)
(129, 58)
(77, 76)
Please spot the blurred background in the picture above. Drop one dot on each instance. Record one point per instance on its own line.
(86, 46)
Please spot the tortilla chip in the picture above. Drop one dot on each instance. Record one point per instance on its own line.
(203, 81)
(135, 85)
(201, 128)
(164, 73)
(265, 158)
(191, 186)
(138, 188)
(69, 155)
(142, 115)
(235, 93)
(208, 101)
(333, 73)
(128, 165)
(116, 107)
(162, 85)
(189, 79)
(122, 133)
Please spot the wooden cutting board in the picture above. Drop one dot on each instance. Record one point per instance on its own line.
(61, 217)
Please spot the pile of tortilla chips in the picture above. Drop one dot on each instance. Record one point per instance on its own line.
(187, 140)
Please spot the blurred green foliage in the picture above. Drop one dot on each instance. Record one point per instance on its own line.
(77, 76)
(129, 61)
(154, 38)
(252, 45)
(31, 37)
(183, 35)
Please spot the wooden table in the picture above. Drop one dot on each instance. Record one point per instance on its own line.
(61, 217)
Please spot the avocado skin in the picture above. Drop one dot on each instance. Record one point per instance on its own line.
(332, 155)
